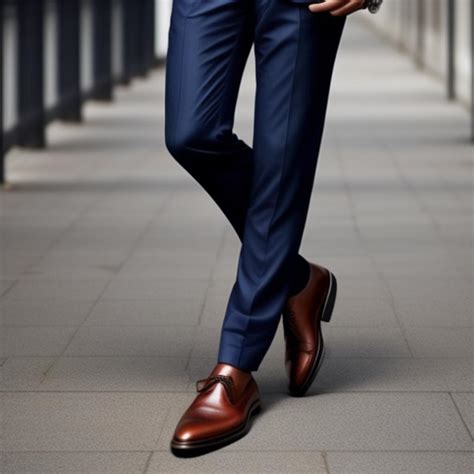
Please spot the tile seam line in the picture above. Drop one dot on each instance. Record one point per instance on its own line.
(148, 462)
(234, 450)
(458, 411)
(107, 285)
(324, 456)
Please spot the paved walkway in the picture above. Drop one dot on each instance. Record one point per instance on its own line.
(116, 269)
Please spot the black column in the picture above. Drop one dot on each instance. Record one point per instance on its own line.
(103, 83)
(150, 33)
(32, 118)
(127, 41)
(69, 49)
(2, 147)
(142, 21)
(138, 37)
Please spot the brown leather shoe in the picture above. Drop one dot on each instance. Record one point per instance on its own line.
(220, 414)
(302, 318)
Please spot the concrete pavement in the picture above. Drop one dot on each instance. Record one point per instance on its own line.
(116, 268)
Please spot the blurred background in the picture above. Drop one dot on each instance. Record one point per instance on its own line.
(57, 54)
(115, 267)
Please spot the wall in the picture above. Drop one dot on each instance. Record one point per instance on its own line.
(420, 27)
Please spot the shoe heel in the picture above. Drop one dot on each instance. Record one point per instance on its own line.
(330, 300)
(256, 410)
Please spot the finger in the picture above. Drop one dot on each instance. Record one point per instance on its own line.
(326, 6)
(348, 9)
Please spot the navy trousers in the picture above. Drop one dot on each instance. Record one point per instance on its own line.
(263, 189)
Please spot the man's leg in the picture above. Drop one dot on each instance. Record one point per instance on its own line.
(295, 52)
(209, 45)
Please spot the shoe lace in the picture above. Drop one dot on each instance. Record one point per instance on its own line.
(225, 380)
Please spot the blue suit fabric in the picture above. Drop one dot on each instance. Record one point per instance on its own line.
(264, 189)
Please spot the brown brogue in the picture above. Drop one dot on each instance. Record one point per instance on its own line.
(220, 414)
(302, 318)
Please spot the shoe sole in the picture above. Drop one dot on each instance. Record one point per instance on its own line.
(326, 317)
(187, 450)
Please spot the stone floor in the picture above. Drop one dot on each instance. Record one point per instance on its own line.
(116, 268)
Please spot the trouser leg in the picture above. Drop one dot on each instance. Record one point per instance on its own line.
(295, 52)
(209, 42)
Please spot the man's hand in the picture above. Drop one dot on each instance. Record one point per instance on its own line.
(337, 7)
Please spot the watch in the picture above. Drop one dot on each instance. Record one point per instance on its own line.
(373, 5)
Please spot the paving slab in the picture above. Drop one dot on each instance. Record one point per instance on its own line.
(385, 463)
(116, 374)
(24, 373)
(145, 312)
(235, 462)
(45, 312)
(70, 462)
(57, 288)
(168, 341)
(33, 341)
(82, 421)
(350, 422)
(441, 342)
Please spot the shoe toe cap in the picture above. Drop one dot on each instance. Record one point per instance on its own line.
(195, 430)
(189, 431)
